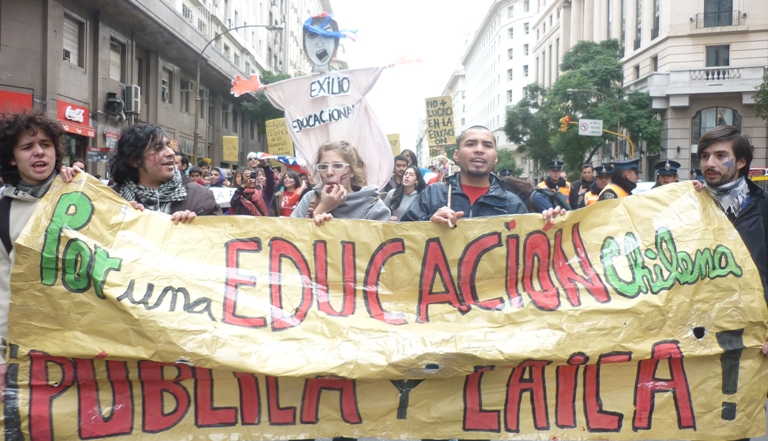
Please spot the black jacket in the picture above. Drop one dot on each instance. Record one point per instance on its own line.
(497, 202)
(752, 225)
(573, 198)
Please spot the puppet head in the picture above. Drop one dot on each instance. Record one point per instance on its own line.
(321, 39)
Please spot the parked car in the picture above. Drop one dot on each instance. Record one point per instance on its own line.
(642, 187)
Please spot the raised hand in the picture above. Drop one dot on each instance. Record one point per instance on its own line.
(241, 86)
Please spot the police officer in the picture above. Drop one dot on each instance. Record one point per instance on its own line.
(667, 171)
(623, 180)
(602, 179)
(553, 180)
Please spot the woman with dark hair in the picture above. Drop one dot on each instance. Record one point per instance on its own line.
(79, 163)
(248, 199)
(287, 200)
(343, 191)
(399, 198)
(414, 160)
(217, 178)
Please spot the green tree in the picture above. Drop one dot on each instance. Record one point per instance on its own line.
(262, 110)
(533, 123)
(507, 162)
(761, 100)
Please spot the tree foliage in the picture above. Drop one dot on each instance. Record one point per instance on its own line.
(262, 110)
(533, 123)
(507, 162)
(761, 100)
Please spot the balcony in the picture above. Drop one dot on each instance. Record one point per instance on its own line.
(714, 19)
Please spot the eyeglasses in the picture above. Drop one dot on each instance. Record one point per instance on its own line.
(252, 159)
(324, 166)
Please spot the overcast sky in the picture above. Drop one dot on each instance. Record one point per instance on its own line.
(432, 30)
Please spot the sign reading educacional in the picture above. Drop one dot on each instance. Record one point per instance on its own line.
(504, 327)
(440, 122)
(591, 127)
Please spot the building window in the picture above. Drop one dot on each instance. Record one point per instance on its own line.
(525, 50)
(509, 52)
(544, 28)
(718, 55)
(116, 60)
(639, 30)
(509, 74)
(511, 11)
(235, 121)
(226, 51)
(637, 72)
(252, 127)
(656, 19)
(237, 60)
(655, 64)
(526, 6)
(511, 33)
(707, 119)
(248, 68)
(526, 29)
(550, 20)
(202, 26)
(165, 86)
(186, 92)
(537, 35)
(187, 12)
(509, 96)
(718, 13)
(525, 70)
(226, 109)
(74, 40)
(610, 19)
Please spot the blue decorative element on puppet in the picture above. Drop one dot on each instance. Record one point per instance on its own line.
(321, 39)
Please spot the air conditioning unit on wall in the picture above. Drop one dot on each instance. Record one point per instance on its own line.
(133, 99)
(187, 85)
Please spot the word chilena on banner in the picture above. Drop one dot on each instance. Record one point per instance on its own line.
(534, 266)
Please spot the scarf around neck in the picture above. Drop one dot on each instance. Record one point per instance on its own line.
(37, 191)
(156, 200)
(731, 196)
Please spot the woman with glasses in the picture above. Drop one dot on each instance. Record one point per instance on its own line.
(342, 191)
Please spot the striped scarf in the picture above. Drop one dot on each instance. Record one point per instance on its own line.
(156, 200)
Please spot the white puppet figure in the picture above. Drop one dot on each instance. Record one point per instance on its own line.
(329, 105)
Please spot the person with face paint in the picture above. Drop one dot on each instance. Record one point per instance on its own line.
(343, 192)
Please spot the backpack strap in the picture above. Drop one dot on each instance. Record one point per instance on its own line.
(5, 223)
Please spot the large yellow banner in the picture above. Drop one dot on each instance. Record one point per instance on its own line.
(632, 319)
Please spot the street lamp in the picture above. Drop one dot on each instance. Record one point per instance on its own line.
(197, 83)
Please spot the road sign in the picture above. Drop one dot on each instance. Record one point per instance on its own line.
(591, 127)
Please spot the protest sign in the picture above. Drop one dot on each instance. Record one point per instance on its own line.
(440, 131)
(278, 139)
(394, 142)
(230, 148)
(649, 326)
(222, 195)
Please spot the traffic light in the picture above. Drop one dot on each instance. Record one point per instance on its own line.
(564, 121)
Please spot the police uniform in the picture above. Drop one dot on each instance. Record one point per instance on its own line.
(592, 196)
(564, 189)
(666, 168)
(619, 186)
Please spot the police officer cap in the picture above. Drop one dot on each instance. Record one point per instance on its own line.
(629, 164)
(555, 165)
(667, 167)
(604, 170)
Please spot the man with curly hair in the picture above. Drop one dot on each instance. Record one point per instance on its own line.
(146, 176)
(30, 159)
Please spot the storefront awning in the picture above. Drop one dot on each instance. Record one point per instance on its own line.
(78, 129)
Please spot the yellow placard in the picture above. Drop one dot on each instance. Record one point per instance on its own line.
(394, 142)
(279, 141)
(440, 122)
(229, 146)
(637, 318)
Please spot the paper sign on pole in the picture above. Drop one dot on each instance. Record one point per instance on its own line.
(230, 148)
(440, 130)
(591, 127)
(394, 141)
(278, 139)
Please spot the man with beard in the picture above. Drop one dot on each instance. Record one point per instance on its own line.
(667, 171)
(623, 180)
(473, 192)
(145, 175)
(580, 187)
(602, 179)
(724, 156)
(554, 181)
(401, 163)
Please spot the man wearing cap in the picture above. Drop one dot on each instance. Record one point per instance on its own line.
(553, 181)
(667, 171)
(623, 180)
(602, 179)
